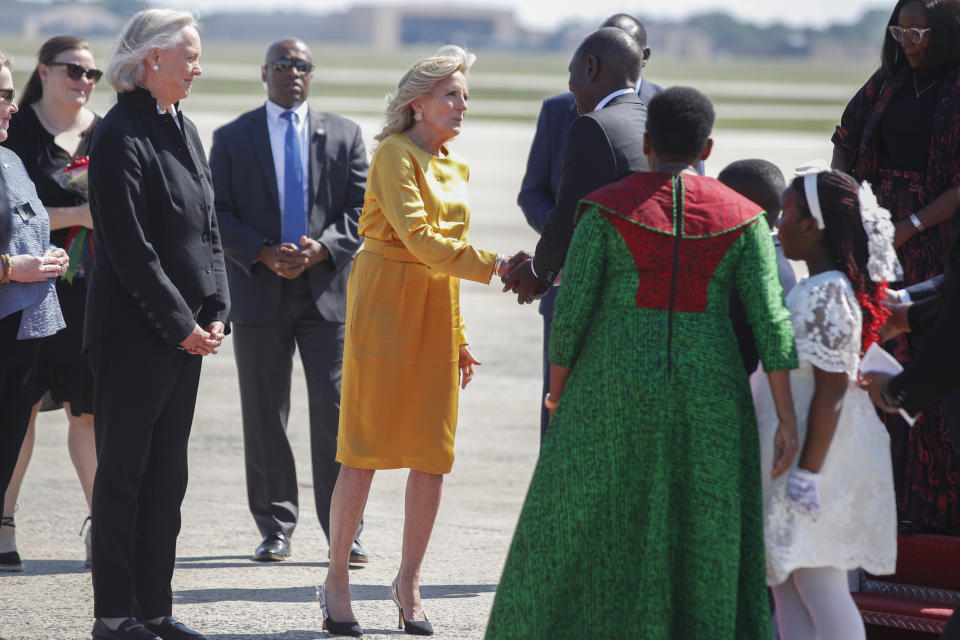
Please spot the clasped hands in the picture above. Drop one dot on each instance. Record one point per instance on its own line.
(518, 277)
(27, 268)
(288, 260)
(204, 342)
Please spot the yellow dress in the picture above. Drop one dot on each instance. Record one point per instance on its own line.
(398, 401)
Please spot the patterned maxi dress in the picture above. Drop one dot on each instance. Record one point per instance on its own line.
(643, 518)
(875, 131)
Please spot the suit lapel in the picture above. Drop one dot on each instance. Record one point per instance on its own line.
(260, 140)
(318, 144)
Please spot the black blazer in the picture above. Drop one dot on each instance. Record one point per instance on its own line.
(248, 208)
(541, 182)
(157, 254)
(931, 374)
(602, 147)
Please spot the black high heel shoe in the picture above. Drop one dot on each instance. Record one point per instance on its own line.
(351, 629)
(412, 627)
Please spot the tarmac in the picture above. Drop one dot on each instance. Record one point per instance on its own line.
(217, 588)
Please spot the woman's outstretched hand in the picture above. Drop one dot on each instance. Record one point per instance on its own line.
(467, 362)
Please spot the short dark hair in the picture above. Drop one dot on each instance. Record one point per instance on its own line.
(616, 49)
(757, 180)
(679, 122)
(629, 24)
(944, 52)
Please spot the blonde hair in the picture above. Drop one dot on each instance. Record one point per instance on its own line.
(419, 81)
(149, 29)
(5, 60)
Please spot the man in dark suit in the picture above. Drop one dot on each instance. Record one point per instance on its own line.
(603, 145)
(541, 182)
(289, 183)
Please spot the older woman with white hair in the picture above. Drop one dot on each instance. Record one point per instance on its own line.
(157, 303)
(405, 338)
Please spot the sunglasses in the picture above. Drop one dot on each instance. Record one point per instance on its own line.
(285, 64)
(913, 35)
(7, 96)
(75, 71)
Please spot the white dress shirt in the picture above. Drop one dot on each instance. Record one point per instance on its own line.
(615, 94)
(277, 128)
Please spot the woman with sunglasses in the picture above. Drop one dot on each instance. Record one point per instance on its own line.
(50, 133)
(901, 133)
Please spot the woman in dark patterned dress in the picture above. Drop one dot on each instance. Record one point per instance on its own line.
(901, 133)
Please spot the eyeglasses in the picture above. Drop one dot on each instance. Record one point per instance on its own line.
(7, 96)
(285, 64)
(75, 71)
(913, 35)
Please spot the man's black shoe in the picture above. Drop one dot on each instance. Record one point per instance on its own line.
(274, 548)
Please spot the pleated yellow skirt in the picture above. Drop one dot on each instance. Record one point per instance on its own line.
(399, 394)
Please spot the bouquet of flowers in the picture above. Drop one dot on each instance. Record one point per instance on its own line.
(73, 177)
(79, 245)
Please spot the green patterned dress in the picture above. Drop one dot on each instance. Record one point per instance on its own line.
(643, 518)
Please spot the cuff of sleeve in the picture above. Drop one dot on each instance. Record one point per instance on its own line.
(903, 296)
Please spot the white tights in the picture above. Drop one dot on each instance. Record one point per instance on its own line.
(815, 604)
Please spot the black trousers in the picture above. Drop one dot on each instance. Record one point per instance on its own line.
(18, 380)
(264, 354)
(144, 398)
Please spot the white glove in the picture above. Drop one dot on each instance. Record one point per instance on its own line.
(802, 493)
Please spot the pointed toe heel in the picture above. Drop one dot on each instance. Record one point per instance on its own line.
(412, 627)
(350, 629)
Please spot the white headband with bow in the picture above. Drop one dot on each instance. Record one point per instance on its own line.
(882, 265)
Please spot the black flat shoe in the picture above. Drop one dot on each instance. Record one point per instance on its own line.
(412, 627)
(274, 548)
(129, 629)
(170, 629)
(351, 629)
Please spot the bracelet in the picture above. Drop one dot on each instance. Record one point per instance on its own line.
(6, 264)
(499, 265)
(548, 403)
(916, 223)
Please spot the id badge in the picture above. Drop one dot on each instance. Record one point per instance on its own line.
(25, 211)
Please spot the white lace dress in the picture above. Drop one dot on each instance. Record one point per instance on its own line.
(858, 523)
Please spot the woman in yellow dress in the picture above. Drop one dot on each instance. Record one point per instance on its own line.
(405, 339)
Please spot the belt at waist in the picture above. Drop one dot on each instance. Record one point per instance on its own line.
(394, 252)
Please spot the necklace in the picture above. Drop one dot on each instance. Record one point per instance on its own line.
(917, 91)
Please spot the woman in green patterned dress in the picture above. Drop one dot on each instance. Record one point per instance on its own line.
(643, 518)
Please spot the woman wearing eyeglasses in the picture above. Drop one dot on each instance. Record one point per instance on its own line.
(50, 133)
(28, 299)
(901, 133)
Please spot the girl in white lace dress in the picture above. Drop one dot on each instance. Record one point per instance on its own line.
(835, 510)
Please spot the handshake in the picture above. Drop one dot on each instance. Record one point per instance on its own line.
(516, 273)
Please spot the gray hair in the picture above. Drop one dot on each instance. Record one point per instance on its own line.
(418, 82)
(5, 60)
(148, 29)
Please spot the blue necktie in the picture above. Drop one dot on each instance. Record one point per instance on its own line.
(294, 213)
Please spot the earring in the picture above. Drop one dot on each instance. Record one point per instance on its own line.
(156, 67)
(418, 116)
